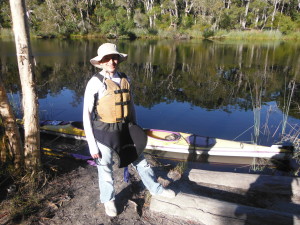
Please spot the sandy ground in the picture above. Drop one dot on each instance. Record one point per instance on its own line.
(73, 198)
(72, 195)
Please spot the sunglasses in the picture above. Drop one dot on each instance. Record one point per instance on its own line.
(109, 57)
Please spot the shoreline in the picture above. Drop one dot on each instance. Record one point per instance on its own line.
(246, 35)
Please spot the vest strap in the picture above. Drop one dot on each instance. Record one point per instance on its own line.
(123, 103)
(120, 120)
(121, 91)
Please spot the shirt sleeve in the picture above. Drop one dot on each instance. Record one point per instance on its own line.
(92, 88)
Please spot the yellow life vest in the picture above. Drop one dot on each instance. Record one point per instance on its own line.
(114, 106)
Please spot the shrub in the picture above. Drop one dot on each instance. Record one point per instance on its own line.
(152, 31)
(285, 24)
(208, 33)
(187, 21)
(225, 22)
(140, 19)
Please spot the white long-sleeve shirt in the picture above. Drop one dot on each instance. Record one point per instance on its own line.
(94, 87)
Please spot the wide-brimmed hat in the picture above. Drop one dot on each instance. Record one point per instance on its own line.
(107, 49)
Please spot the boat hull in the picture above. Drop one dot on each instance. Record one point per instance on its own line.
(191, 145)
(195, 145)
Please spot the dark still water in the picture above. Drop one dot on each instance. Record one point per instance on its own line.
(230, 90)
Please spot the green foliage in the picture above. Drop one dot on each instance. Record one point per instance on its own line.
(208, 33)
(6, 33)
(187, 22)
(68, 28)
(163, 22)
(5, 18)
(201, 26)
(140, 19)
(285, 24)
(292, 9)
(293, 36)
(120, 18)
(152, 31)
(225, 22)
(116, 24)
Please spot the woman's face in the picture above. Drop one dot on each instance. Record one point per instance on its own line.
(109, 63)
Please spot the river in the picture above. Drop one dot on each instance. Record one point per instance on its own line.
(234, 90)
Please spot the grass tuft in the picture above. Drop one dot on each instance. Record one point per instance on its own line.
(24, 195)
(6, 33)
(181, 167)
(250, 35)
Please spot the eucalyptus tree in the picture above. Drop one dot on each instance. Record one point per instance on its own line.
(27, 77)
(149, 6)
(227, 4)
(293, 9)
(208, 12)
(171, 7)
(63, 18)
(244, 18)
(53, 17)
(13, 149)
(128, 5)
(257, 14)
(275, 4)
(188, 6)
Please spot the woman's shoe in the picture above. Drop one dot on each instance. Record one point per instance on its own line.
(110, 208)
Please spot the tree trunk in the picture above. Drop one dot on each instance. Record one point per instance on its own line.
(274, 12)
(188, 7)
(256, 21)
(29, 97)
(11, 131)
(227, 4)
(244, 20)
(176, 9)
(151, 21)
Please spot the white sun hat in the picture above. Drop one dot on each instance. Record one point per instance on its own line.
(107, 49)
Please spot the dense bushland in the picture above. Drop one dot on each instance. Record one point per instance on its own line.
(164, 18)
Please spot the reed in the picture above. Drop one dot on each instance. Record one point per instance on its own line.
(292, 36)
(256, 96)
(250, 35)
(288, 94)
(25, 196)
(181, 167)
(6, 33)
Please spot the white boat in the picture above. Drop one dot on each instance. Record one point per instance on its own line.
(195, 146)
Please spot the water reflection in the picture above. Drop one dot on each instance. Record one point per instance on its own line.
(203, 87)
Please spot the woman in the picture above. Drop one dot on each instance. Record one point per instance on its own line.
(108, 113)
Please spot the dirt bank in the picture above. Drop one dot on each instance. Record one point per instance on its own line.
(72, 197)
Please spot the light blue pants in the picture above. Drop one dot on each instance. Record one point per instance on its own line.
(105, 174)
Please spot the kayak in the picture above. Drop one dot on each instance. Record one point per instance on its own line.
(163, 142)
(195, 146)
(69, 129)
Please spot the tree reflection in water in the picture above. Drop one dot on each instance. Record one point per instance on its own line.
(219, 81)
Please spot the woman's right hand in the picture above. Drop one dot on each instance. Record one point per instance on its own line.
(96, 156)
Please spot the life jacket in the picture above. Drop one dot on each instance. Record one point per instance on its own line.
(114, 106)
(124, 137)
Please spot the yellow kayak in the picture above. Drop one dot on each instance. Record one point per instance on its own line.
(163, 141)
(70, 129)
